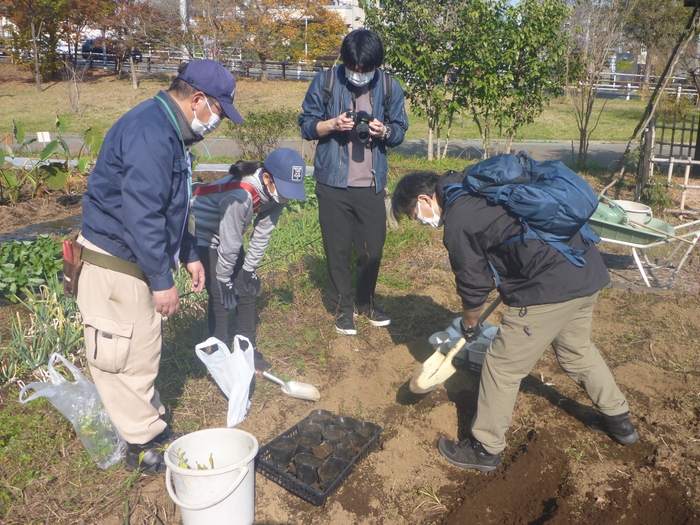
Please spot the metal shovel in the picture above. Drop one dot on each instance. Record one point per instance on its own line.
(296, 389)
(438, 368)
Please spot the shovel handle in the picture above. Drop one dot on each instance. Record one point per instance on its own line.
(274, 379)
(490, 309)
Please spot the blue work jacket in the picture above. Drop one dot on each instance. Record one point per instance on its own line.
(137, 197)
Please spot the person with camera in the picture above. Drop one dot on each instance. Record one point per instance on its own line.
(223, 211)
(355, 111)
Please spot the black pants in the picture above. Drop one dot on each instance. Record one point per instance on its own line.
(351, 219)
(217, 315)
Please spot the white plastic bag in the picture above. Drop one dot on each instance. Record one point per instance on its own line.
(232, 371)
(80, 403)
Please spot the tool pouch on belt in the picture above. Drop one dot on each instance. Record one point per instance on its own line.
(72, 264)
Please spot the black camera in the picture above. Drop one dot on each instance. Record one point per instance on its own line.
(361, 120)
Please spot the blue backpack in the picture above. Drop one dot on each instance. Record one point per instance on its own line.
(552, 202)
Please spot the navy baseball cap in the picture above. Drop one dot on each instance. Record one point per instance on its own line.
(287, 168)
(210, 77)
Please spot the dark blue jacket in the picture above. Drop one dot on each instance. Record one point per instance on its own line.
(137, 197)
(331, 160)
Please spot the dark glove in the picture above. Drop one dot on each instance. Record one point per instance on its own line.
(228, 294)
(251, 282)
(470, 333)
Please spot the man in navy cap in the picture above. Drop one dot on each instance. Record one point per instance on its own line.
(134, 232)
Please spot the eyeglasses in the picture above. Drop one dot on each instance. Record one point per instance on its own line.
(212, 102)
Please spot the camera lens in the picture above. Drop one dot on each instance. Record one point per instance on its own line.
(362, 131)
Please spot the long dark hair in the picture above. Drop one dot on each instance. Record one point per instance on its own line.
(243, 168)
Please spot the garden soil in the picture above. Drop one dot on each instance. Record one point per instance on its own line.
(554, 471)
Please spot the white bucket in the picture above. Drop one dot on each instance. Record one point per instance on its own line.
(219, 495)
(636, 211)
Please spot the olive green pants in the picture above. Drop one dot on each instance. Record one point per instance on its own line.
(524, 336)
(122, 347)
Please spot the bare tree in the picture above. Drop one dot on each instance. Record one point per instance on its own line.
(595, 29)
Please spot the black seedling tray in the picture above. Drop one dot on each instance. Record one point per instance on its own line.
(294, 485)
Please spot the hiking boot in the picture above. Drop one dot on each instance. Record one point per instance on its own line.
(469, 453)
(344, 325)
(261, 364)
(148, 457)
(619, 428)
(377, 317)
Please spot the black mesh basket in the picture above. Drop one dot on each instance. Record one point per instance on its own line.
(294, 485)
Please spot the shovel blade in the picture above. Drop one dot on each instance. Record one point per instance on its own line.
(434, 371)
(301, 391)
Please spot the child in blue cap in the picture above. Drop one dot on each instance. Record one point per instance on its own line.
(223, 211)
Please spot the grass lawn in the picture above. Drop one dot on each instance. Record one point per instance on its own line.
(104, 98)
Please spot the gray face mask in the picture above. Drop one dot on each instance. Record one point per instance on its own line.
(359, 79)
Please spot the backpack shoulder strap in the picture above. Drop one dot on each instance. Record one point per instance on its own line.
(387, 85)
(328, 78)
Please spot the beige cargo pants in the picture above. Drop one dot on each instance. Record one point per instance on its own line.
(122, 347)
(524, 336)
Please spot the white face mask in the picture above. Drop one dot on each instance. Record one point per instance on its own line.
(435, 221)
(359, 79)
(200, 127)
(276, 196)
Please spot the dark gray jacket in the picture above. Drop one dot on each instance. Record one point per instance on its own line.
(531, 272)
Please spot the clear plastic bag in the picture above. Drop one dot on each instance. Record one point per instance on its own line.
(232, 371)
(80, 403)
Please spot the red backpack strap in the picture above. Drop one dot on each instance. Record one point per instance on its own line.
(210, 189)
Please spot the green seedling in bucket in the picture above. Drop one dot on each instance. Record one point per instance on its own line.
(182, 461)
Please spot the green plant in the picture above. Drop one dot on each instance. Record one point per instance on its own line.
(656, 195)
(261, 131)
(27, 264)
(576, 451)
(54, 325)
(45, 173)
(183, 461)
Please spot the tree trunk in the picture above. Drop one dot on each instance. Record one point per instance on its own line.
(263, 68)
(132, 71)
(37, 70)
(431, 129)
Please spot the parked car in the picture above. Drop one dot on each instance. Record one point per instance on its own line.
(95, 47)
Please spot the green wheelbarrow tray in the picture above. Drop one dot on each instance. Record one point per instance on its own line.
(610, 221)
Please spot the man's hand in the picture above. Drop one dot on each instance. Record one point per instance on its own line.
(251, 282)
(196, 270)
(470, 333)
(228, 294)
(377, 129)
(343, 122)
(167, 301)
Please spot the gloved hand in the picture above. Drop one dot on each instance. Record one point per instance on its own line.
(228, 294)
(470, 333)
(251, 281)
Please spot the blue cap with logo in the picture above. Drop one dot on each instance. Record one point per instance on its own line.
(288, 169)
(210, 77)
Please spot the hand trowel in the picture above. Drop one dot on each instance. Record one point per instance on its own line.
(296, 389)
(438, 368)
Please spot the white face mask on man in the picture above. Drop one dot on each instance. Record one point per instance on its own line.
(435, 221)
(359, 79)
(200, 127)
